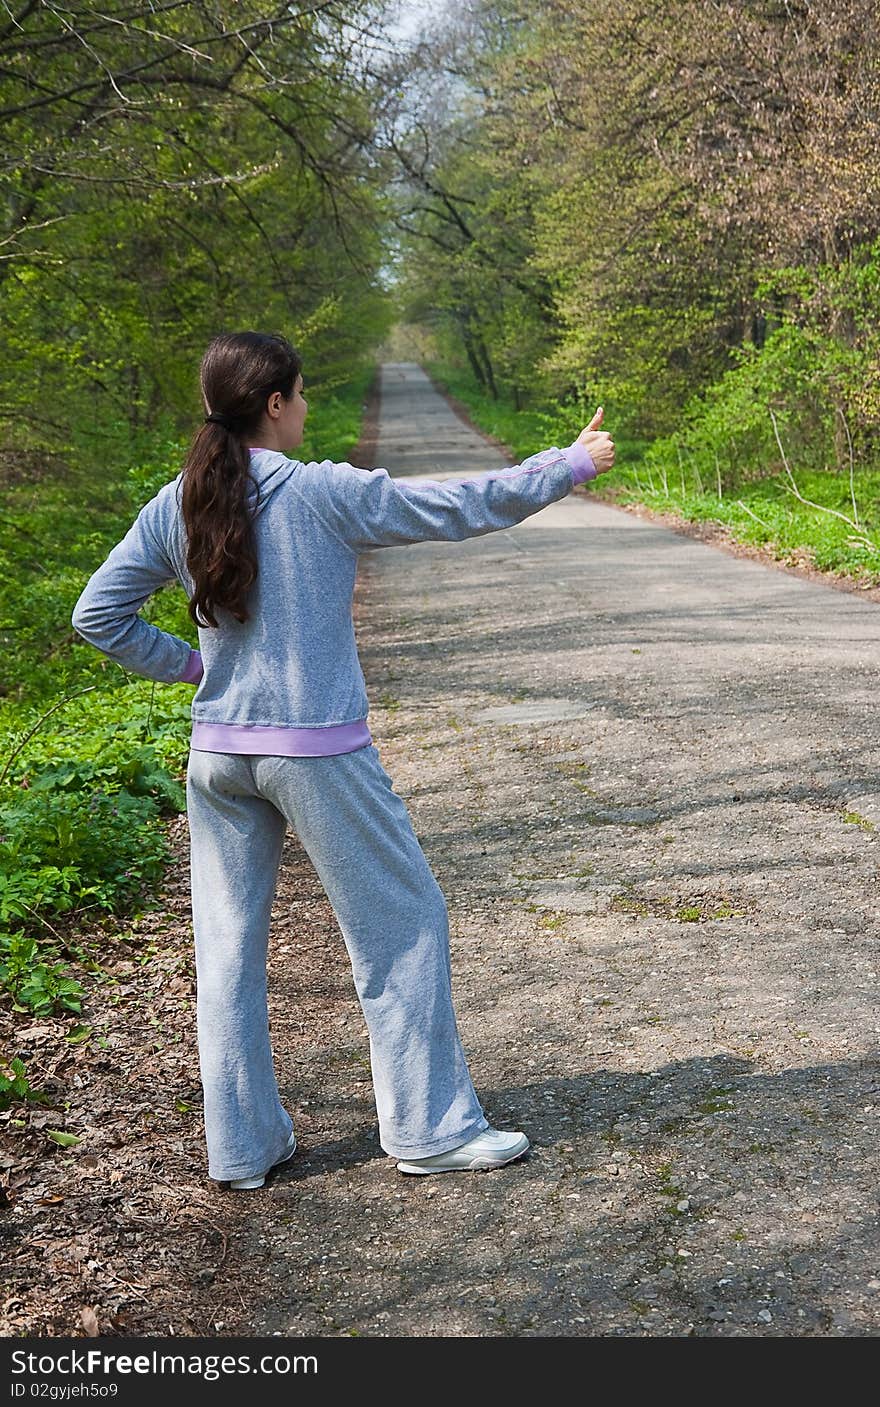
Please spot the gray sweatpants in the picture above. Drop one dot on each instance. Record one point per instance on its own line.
(358, 835)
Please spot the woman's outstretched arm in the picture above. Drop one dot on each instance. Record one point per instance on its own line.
(368, 508)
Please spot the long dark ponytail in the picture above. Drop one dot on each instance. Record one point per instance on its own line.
(239, 371)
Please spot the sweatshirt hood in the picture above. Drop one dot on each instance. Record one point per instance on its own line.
(270, 468)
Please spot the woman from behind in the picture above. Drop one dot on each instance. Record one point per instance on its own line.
(266, 548)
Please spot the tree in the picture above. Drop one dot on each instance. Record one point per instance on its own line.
(170, 169)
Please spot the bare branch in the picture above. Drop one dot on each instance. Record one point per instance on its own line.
(808, 502)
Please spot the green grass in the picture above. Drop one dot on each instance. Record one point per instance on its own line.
(764, 512)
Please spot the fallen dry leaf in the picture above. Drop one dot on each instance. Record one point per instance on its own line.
(89, 1321)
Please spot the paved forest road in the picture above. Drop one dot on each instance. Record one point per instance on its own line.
(646, 776)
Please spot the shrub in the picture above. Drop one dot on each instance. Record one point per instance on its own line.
(35, 984)
(58, 848)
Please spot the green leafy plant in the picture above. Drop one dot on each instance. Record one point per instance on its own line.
(138, 772)
(59, 848)
(34, 983)
(14, 1083)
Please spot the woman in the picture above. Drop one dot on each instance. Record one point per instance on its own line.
(266, 548)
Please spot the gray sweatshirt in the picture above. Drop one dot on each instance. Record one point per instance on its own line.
(288, 680)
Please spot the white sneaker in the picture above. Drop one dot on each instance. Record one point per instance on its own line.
(489, 1149)
(241, 1184)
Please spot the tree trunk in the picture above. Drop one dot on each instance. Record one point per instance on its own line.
(487, 364)
(468, 341)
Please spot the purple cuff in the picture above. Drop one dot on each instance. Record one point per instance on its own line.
(581, 461)
(194, 671)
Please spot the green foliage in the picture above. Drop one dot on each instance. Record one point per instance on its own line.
(731, 419)
(137, 773)
(25, 892)
(333, 423)
(564, 250)
(14, 1083)
(34, 983)
(223, 199)
(767, 450)
(824, 391)
(60, 848)
(768, 515)
(836, 304)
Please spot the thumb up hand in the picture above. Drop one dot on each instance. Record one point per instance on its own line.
(598, 443)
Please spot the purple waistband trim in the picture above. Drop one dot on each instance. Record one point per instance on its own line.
(280, 742)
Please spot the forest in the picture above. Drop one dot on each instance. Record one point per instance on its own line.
(672, 211)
